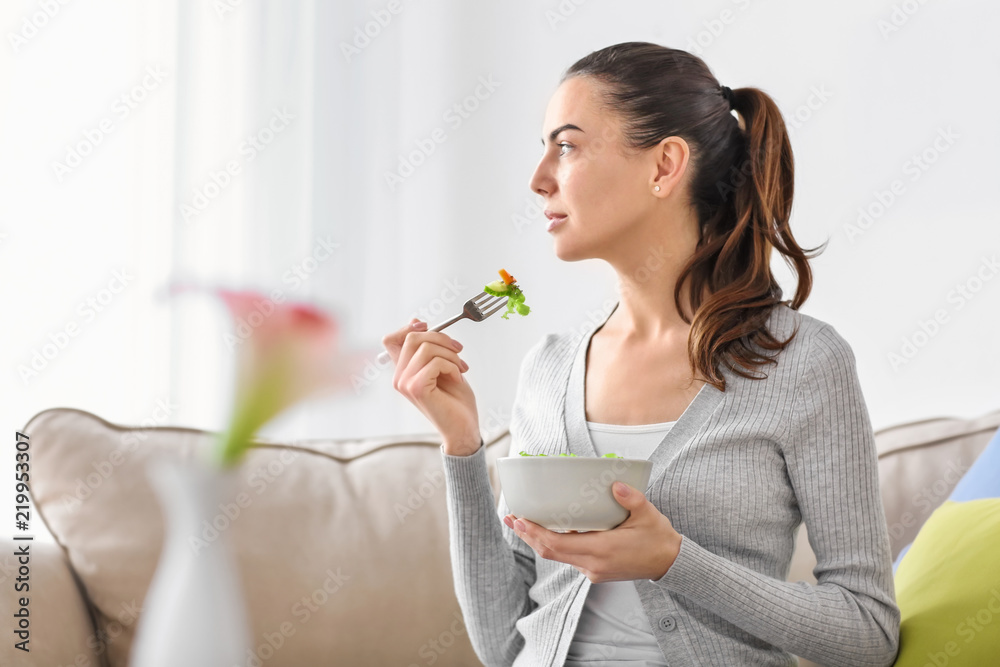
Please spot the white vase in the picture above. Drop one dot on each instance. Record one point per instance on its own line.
(194, 613)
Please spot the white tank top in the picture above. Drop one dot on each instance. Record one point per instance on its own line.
(613, 627)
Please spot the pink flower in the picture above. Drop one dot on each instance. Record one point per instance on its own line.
(286, 352)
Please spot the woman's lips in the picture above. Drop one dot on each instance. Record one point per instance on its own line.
(555, 222)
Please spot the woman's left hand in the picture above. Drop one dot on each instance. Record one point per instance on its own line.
(644, 546)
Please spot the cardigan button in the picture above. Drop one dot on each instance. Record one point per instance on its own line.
(667, 623)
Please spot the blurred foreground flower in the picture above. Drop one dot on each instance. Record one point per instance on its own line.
(286, 352)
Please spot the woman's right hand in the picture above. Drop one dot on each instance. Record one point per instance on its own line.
(429, 374)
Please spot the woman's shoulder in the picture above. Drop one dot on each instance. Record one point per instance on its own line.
(793, 354)
(783, 321)
(813, 341)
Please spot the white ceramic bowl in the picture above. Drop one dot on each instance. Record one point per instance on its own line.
(564, 493)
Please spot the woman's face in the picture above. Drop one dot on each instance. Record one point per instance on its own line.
(605, 189)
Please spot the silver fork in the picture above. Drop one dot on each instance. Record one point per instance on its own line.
(476, 309)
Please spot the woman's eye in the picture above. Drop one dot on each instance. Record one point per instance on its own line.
(566, 145)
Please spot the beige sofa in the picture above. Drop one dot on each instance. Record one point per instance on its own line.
(343, 547)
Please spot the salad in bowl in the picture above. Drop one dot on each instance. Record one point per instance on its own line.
(565, 492)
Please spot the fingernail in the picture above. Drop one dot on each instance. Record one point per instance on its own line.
(519, 525)
(455, 344)
(465, 366)
(507, 521)
(622, 489)
(418, 325)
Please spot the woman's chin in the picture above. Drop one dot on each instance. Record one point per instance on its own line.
(570, 253)
(561, 248)
(569, 248)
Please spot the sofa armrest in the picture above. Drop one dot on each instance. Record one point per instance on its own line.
(60, 629)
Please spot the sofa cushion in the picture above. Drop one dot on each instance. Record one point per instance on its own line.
(919, 465)
(948, 588)
(364, 518)
(91, 490)
(61, 631)
(981, 481)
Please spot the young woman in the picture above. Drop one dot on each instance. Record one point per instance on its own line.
(751, 412)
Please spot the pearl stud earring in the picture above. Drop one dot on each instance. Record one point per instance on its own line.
(656, 187)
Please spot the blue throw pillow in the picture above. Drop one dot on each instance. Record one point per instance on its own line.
(982, 480)
(899, 558)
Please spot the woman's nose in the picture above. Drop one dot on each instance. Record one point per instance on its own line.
(541, 182)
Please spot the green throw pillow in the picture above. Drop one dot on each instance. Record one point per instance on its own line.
(948, 588)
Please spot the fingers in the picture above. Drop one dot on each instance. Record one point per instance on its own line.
(414, 340)
(569, 547)
(394, 341)
(428, 378)
(419, 349)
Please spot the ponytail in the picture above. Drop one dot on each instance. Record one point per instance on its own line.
(733, 256)
(741, 189)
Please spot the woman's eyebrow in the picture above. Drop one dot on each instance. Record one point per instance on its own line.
(555, 133)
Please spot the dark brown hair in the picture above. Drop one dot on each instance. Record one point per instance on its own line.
(741, 188)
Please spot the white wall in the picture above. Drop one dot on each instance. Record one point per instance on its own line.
(884, 99)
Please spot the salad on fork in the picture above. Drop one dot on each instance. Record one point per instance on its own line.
(479, 308)
(507, 287)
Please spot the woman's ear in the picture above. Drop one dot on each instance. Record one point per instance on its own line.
(671, 158)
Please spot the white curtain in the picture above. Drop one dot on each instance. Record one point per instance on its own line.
(255, 114)
(379, 197)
